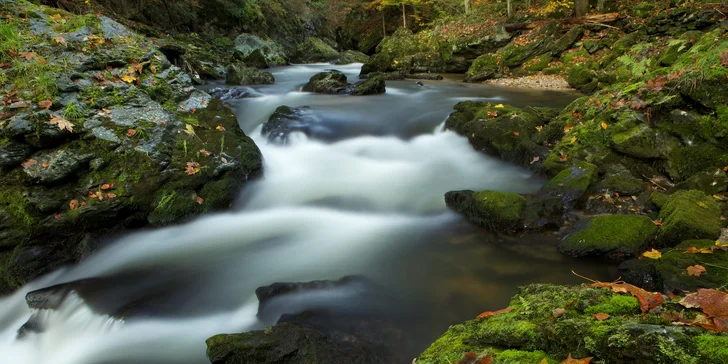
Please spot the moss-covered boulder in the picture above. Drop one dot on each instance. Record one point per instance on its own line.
(240, 74)
(331, 82)
(531, 330)
(710, 181)
(613, 236)
(689, 215)
(496, 211)
(485, 67)
(257, 52)
(314, 50)
(128, 143)
(571, 185)
(348, 57)
(372, 86)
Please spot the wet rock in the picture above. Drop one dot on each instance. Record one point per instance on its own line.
(286, 120)
(13, 153)
(710, 181)
(348, 57)
(570, 185)
(641, 273)
(689, 215)
(54, 166)
(224, 94)
(239, 74)
(645, 142)
(496, 211)
(256, 52)
(331, 82)
(314, 50)
(198, 100)
(614, 236)
(371, 86)
(485, 67)
(623, 184)
(425, 76)
(111, 29)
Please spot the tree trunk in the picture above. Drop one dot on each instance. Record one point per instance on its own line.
(581, 7)
(467, 6)
(384, 25)
(404, 17)
(509, 8)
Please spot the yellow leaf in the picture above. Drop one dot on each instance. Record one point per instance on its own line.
(190, 130)
(568, 128)
(652, 254)
(128, 78)
(573, 139)
(702, 204)
(499, 106)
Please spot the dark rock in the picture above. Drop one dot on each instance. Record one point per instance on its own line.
(710, 181)
(173, 52)
(55, 166)
(112, 29)
(689, 215)
(331, 82)
(284, 121)
(13, 153)
(239, 74)
(372, 86)
(425, 76)
(198, 100)
(641, 273)
(256, 52)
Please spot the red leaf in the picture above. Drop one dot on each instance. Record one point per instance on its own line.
(493, 313)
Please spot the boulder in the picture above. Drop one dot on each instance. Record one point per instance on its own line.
(348, 57)
(485, 67)
(286, 120)
(331, 82)
(614, 236)
(314, 50)
(240, 74)
(496, 211)
(256, 52)
(570, 185)
(372, 86)
(711, 181)
(689, 215)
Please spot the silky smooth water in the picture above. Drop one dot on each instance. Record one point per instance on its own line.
(363, 195)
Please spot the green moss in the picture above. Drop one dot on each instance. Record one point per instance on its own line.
(616, 236)
(689, 215)
(484, 67)
(578, 177)
(712, 349)
(617, 305)
(451, 346)
(672, 267)
(499, 211)
(522, 357)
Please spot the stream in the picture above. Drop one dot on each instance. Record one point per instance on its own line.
(362, 195)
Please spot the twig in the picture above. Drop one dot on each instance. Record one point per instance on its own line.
(653, 182)
(582, 277)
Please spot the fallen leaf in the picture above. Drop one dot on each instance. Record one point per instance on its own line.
(73, 204)
(702, 204)
(573, 139)
(130, 132)
(57, 216)
(153, 69)
(558, 312)
(515, 133)
(61, 123)
(544, 361)
(642, 296)
(714, 305)
(192, 168)
(493, 313)
(499, 106)
(473, 358)
(657, 223)
(28, 55)
(129, 77)
(604, 125)
(539, 128)
(29, 163)
(601, 316)
(223, 159)
(190, 130)
(199, 200)
(652, 254)
(107, 186)
(111, 195)
(60, 40)
(571, 360)
(568, 128)
(695, 250)
(220, 128)
(44, 165)
(696, 270)
(45, 104)
(204, 153)
(535, 159)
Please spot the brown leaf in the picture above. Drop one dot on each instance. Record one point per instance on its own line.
(696, 270)
(192, 168)
(473, 358)
(655, 300)
(107, 186)
(130, 132)
(111, 195)
(535, 159)
(44, 165)
(713, 303)
(204, 153)
(695, 250)
(657, 223)
(622, 287)
(515, 133)
(29, 163)
(199, 200)
(45, 104)
(60, 40)
(493, 313)
(652, 254)
(601, 316)
(28, 55)
(73, 204)
(61, 123)
(571, 360)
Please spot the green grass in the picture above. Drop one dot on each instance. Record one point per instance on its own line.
(10, 40)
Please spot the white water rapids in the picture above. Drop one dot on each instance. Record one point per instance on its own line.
(368, 201)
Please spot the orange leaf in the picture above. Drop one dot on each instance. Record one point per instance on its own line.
(696, 270)
(571, 360)
(199, 200)
(73, 204)
(45, 104)
(657, 223)
(107, 186)
(601, 316)
(652, 254)
(204, 153)
(568, 128)
(130, 132)
(29, 163)
(192, 168)
(642, 296)
(493, 313)
(28, 55)
(111, 195)
(604, 125)
(515, 133)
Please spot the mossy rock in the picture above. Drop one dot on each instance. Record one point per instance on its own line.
(614, 236)
(571, 184)
(672, 266)
(689, 215)
(711, 181)
(240, 74)
(627, 336)
(372, 86)
(644, 142)
(624, 185)
(348, 57)
(315, 50)
(496, 211)
(331, 82)
(580, 77)
(485, 67)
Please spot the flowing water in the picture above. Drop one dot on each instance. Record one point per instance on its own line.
(363, 195)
